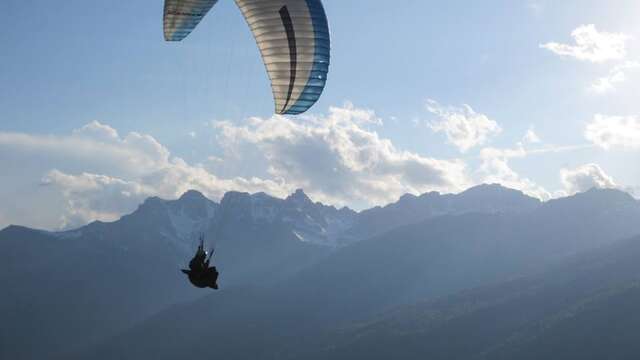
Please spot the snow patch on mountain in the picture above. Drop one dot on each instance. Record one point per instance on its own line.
(185, 226)
(191, 215)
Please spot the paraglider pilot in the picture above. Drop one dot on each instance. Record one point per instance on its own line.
(200, 274)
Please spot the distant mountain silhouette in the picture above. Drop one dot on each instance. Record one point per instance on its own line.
(411, 209)
(449, 253)
(436, 258)
(66, 290)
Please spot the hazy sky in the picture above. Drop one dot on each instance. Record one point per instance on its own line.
(97, 112)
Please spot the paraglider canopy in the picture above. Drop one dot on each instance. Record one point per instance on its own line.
(293, 37)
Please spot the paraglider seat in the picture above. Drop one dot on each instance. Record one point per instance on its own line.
(207, 278)
(200, 274)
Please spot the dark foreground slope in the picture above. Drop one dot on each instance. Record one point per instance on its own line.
(438, 257)
(587, 308)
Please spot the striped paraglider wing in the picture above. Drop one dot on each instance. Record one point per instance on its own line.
(293, 37)
(182, 16)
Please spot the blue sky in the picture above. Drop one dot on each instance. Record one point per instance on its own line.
(428, 95)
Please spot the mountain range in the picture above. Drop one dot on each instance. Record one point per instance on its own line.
(302, 280)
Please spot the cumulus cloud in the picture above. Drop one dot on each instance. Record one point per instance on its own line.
(94, 147)
(610, 132)
(616, 76)
(495, 164)
(495, 168)
(97, 174)
(463, 127)
(608, 83)
(530, 137)
(101, 197)
(591, 45)
(339, 159)
(91, 196)
(585, 177)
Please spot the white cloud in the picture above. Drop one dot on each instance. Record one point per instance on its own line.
(530, 137)
(591, 45)
(94, 147)
(614, 131)
(91, 196)
(608, 83)
(463, 127)
(495, 165)
(95, 173)
(495, 168)
(616, 76)
(336, 158)
(584, 178)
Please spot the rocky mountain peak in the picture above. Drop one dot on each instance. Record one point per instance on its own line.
(192, 195)
(490, 190)
(299, 197)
